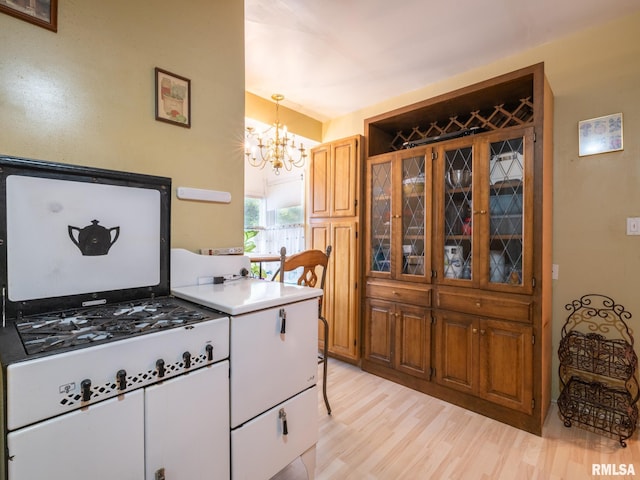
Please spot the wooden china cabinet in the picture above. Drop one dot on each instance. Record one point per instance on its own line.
(457, 247)
(333, 218)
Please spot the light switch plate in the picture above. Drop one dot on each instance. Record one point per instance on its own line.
(633, 226)
(555, 270)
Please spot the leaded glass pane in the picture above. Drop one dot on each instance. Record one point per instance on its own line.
(413, 215)
(381, 217)
(506, 233)
(458, 199)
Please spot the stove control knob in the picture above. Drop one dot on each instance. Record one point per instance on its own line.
(121, 377)
(160, 367)
(85, 387)
(209, 349)
(186, 356)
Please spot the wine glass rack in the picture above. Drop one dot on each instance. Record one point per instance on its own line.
(598, 369)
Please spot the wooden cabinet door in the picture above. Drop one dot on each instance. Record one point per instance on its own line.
(456, 351)
(334, 179)
(340, 305)
(378, 331)
(413, 340)
(506, 361)
(345, 181)
(319, 181)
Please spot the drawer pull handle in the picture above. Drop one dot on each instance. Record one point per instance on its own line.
(283, 323)
(283, 415)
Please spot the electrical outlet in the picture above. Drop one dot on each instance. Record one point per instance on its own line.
(633, 226)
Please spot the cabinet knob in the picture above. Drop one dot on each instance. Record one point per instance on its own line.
(395, 216)
(474, 330)
(394, 292)
(479, 212)
(478, 304)
(482, 331)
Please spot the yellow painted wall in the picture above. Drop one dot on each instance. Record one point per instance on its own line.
(85, 95)
(264, 110)
(593, 73)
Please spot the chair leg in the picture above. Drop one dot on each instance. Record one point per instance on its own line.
(324, 361)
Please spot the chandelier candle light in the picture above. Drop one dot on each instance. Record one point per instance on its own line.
(278, 149)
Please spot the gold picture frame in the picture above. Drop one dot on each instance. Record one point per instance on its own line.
(43, 13)
(600, 135)
(173, 98)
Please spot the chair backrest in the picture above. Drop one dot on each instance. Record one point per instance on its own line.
(309, 261)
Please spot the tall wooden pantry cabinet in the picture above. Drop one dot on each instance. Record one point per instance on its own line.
(457, 247)
(333, 218)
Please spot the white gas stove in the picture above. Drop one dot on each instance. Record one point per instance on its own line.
(103, 372)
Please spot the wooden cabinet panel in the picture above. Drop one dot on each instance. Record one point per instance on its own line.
(414, 294)
(506, 356)
(378, 341)
(456, 352)
(341, 300)
(333, 217)
(475, 302)
(413, 340)
(319, 187)
(345, 181)
(492, 359)
(334, 179)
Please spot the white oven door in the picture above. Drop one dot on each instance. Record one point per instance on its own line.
(102, 442)
(187, 426)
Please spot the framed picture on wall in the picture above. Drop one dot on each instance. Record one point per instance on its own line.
(600, 135)
(173, 98)
(43, 13)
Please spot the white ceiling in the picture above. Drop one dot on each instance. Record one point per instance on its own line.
(333, 57)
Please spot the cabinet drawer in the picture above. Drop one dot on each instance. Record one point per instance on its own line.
(259, 448)
(415, 295)
(268, 367)
(490, 306)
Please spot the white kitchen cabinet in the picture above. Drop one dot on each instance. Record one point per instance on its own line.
(102, 442)
(269, 366)
(187, 426)
(260, 448)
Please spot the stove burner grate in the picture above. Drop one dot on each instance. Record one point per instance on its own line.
(81, 327)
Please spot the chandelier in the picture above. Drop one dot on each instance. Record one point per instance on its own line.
(275, 146)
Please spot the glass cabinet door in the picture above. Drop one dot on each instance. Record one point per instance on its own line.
(379, 176)
(458, 231)
(415, 215)
(509, 175)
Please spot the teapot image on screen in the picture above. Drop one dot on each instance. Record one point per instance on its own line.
(94, 239)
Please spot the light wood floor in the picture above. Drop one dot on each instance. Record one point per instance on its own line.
(381, 430)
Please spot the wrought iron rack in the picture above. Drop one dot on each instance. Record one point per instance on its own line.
(598, 369)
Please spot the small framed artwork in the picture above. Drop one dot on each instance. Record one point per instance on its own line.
(600, 135)
(173, 98)
(43, 13)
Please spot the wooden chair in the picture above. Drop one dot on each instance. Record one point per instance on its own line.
(309, 261)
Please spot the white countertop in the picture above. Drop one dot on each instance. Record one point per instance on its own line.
(245, 295)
